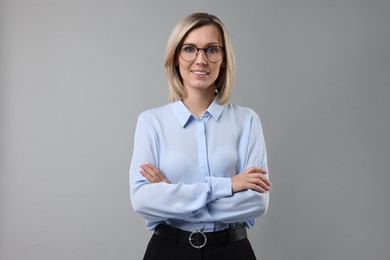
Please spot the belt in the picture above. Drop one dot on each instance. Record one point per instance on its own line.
(199, 239)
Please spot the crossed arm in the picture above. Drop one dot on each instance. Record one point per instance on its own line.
(238, 198)
(252, 178)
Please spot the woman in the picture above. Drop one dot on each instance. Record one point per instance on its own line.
(199, 168)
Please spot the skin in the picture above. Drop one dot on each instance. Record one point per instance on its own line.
(199, 90)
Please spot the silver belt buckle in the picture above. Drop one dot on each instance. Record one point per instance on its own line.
(190, 238)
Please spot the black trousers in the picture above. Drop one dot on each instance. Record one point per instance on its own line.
(160, 248)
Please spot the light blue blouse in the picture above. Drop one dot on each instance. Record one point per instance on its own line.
(198, 156)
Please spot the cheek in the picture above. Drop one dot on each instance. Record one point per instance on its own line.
(179, 71)
(182, 67)
(217, 71)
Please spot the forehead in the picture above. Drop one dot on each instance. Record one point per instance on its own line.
(204, 35)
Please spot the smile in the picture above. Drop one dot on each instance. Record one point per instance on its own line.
(200, 72)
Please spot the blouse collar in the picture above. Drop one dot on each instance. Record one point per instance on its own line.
(184, 116)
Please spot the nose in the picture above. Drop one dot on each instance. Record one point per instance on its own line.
(201, 57)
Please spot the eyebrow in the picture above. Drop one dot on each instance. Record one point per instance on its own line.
(208, 44)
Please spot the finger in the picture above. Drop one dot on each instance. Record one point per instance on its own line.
(266, 181)
(258, 169)
(256, 188)
(259, 186)
(152, 171)
(148, 175)
(264, 185)
(155, 174)
(260, 176)
(261, 182)
(166, 180)
(152, 167)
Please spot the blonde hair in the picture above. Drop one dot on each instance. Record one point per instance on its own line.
(225, 81)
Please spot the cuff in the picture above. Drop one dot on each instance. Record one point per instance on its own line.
(219, 187)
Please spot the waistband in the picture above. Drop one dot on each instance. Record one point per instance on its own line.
(199, 239)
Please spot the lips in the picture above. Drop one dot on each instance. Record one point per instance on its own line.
(200, 72)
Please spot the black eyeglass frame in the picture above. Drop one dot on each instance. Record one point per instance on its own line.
(201, 49)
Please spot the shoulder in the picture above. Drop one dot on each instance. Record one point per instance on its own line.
(154, 113)
(241, 115)
(241, 111)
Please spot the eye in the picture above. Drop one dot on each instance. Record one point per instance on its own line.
(212, 49)
(189, 48)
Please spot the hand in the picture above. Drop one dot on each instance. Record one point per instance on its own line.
(152, 173)
(252, 178)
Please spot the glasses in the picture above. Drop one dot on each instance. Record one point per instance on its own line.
(188, 52)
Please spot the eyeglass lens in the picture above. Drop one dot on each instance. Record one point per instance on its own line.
(189, 52)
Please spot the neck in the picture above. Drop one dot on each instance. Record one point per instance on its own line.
(197, 103)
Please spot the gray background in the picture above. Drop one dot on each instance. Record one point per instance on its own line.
(75, 75)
